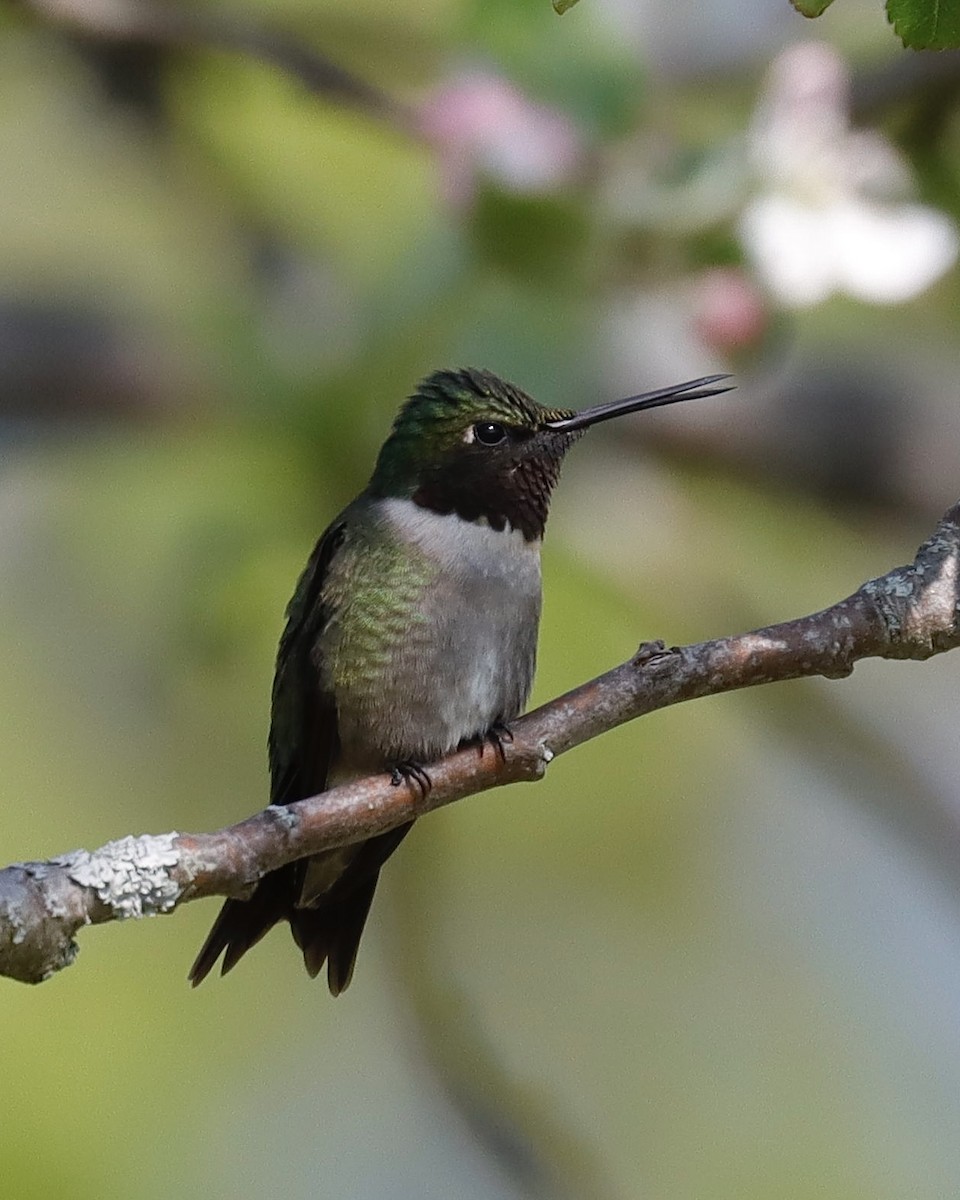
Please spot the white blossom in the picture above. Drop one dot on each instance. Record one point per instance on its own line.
(833, 210)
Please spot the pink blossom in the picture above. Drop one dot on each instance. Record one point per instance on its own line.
(483, 126)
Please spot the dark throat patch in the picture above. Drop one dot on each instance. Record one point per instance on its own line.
(503, 489)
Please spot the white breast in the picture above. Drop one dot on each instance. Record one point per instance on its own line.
(471, 662)
(467, 548)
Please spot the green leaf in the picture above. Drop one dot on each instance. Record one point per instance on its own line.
(561, 6)
(811, 8)
(926, 24)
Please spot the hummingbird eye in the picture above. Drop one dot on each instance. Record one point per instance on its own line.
(490, 433)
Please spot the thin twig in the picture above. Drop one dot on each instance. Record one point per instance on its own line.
(176, 27)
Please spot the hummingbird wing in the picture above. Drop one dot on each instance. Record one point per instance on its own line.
(303, 739)
(303, 744)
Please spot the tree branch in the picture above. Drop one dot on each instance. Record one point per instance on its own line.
(911, 612)
(174, 27)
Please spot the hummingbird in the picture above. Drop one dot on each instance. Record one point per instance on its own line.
(412, 631)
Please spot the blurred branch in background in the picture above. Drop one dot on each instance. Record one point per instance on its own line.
(913, 612)
(162, 25)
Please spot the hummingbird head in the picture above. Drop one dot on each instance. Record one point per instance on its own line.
(468, 442)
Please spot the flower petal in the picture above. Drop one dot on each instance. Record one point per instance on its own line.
(889, 254)
(786, 244)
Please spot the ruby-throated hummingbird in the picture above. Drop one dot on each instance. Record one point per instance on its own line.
(412, 630)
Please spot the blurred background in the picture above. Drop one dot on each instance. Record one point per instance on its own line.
(716, 953)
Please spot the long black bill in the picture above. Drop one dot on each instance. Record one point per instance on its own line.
(696, 389)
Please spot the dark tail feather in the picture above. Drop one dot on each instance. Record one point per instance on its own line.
(328, 932)
(331, 929)
(242, 923)
(331, 933)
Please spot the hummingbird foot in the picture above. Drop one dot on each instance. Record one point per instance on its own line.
(412, 773)
(498, 736)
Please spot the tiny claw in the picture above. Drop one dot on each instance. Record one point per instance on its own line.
(498, 735)
(414, 774)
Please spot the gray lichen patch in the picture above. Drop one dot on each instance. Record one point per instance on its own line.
(287, 818)
(920, 605)
(132, 876)
(12, 922)
(898, 584)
